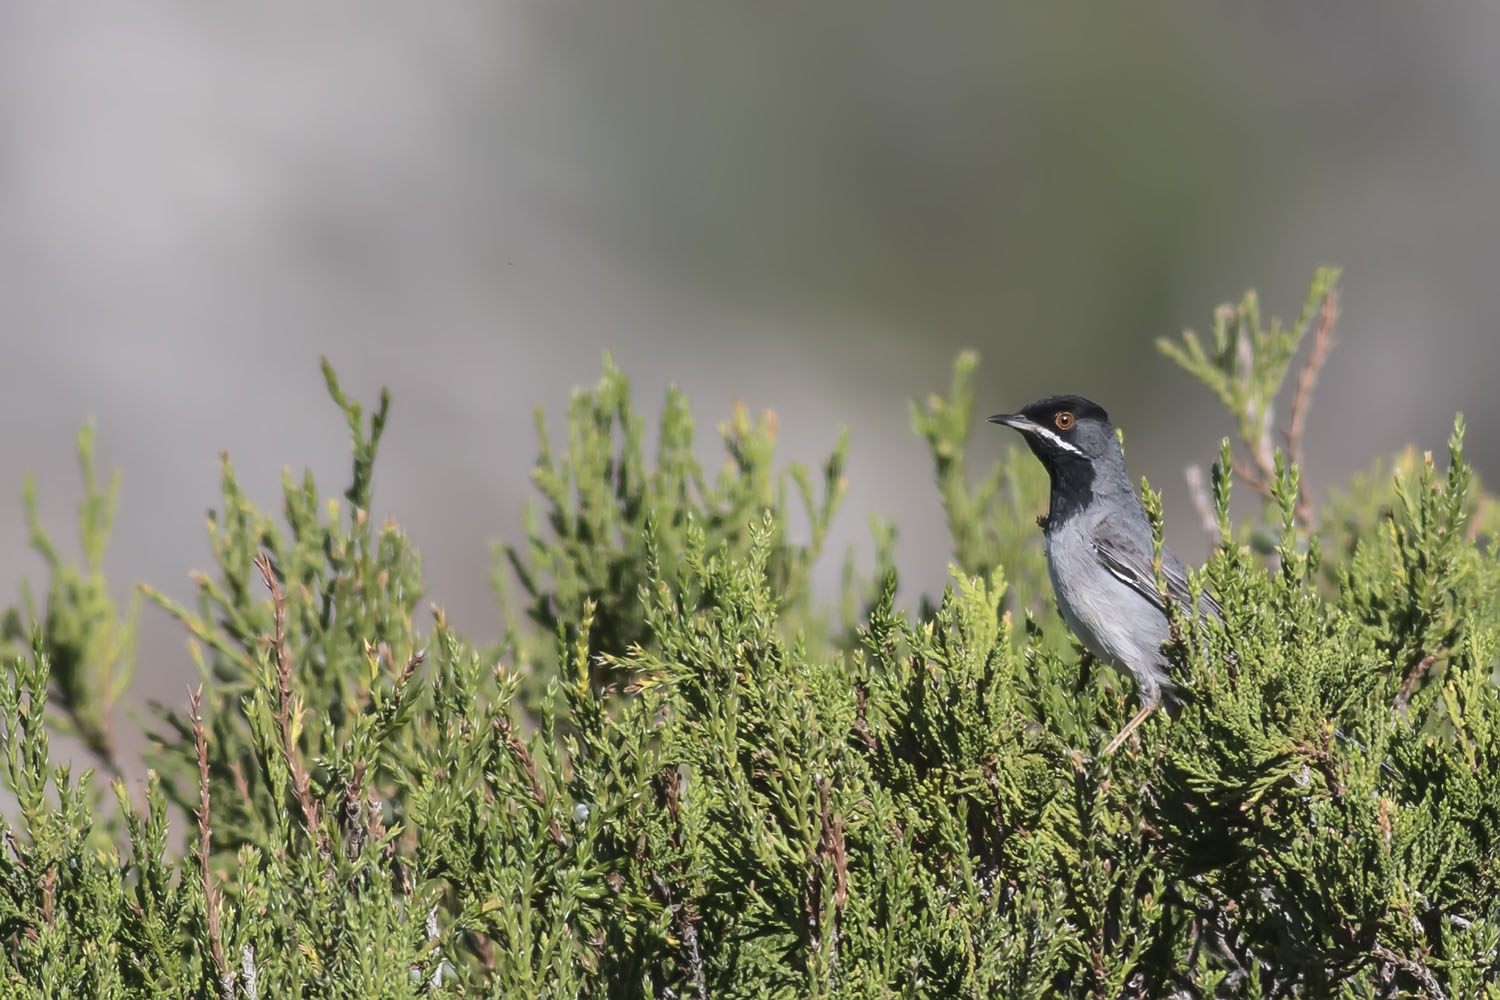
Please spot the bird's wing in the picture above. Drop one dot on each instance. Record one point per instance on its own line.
(1131, 565)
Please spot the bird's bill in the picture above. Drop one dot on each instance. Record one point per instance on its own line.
(1034, 431)
(1016, 420)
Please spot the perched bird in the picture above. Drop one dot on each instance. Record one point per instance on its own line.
(1099, 547)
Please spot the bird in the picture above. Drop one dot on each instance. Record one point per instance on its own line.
(1100, 552)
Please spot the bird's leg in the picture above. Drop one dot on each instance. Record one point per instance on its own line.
(1139, 717)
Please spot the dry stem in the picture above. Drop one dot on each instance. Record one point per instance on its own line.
(1307, 380)
(1252, 478)
(1414, 677)
(301, 780)
(1260, 475)
(210, 894)
(1413, 968)
(515, 746)
(685, 911)
(831, 851)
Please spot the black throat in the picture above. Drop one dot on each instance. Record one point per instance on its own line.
(1072, 490)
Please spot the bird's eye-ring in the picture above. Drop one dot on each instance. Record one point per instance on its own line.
(1064, 420)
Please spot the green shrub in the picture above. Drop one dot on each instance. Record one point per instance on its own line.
(683, 773)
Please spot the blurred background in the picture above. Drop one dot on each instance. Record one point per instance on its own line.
(809, 210)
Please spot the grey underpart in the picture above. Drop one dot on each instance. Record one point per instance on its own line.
(1112, 613)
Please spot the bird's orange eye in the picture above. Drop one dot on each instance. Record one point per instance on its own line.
(1063, 420)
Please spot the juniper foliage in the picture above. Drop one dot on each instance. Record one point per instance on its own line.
(680, 774)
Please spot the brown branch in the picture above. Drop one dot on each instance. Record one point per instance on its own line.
(1383, 810)
(49, 895)
(685, 912)
(210, 895)
(412, 663)
(241, 785)
(1251, 478)
(832, 847)
(301, 780)
(515, 746)
(861, 727)
(1307, 380)
(1413, 968)
(1414, 677)
(374, 823)
(484, 950)
(355, 821)
(1262, 449)
(830, 852)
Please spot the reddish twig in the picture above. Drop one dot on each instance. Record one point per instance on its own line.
(1307, 380)
(861, 727)
(831, 845)
(831, 852)
(1261, 448)
(412, 663)
(301, 780)
(241, 785)
(515, 746)
(1251, 478)
(210, 894)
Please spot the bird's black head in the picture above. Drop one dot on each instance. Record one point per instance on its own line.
(1076, 443)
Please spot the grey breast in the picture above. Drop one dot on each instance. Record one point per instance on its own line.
(1111, 619)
